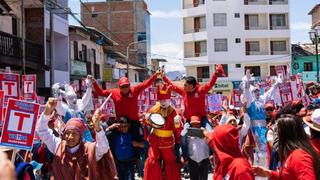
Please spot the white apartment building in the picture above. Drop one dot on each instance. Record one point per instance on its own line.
(240, 34)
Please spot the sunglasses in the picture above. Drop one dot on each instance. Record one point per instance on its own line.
(124, 87)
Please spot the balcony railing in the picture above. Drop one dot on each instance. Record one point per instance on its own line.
(278, 27)
(260, 27)
(196, 54)
(250, 53)
(309, 76)
(279, 52)
(11, 46)
(187, 31)
(255, 2)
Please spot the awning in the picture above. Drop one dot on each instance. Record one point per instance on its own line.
(124, 66)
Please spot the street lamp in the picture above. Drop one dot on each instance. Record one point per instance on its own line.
(135, 42)
(314, 37)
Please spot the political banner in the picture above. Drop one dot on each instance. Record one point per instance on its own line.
(152, 96)
(19, 124)
(1, 108)
(10, 85)
(286, 93)
(236, 98)
(41, 100)
(281, 70)
(214, 102)
(177, 102)
(29, 87)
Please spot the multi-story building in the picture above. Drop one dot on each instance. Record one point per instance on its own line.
(32, 22)
(125, 22)
(315, 14)
(242, 34)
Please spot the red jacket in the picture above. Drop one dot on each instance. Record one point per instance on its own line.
(194, 102)
(316, 144)
(298, 166)
(229, 163)
(126, 104)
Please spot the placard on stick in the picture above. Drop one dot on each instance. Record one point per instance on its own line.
(19, 124)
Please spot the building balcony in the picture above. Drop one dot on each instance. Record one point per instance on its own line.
(309, 75)
(188, 31)
(252, 53)
(11, 51)
(192, 3)
(265, 2)
(189, 55)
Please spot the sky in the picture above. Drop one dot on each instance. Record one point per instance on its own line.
(166, 27)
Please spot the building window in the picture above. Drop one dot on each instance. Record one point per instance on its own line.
(200, 48)
(253, 69)
(220, 45)
(84, 52)
(141, 36)
(278, 47)
(307, 66)
(237, 15)
(252, 47)
(142, 59)
(225, 69)
(277, 21)
(203, 72)
(238, 40)
(238, 65)
(251, 21)
(75, 50)
(273, 71)
(199, 23)
(220, 19)
(94, 58)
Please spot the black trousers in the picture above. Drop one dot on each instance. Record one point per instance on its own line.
(199, 171)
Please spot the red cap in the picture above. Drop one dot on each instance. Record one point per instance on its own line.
(269, 105)
(195, 119)
(124, 81)
(164, 93)
(295, 103)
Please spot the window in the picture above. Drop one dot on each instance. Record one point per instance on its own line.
(75, 50)
(199, 23)
(253, 21)
(220, 19)
(307, 66)
(225, 69)
(84, 53)
(200, 48)
(238, 65)
(142, 59)
(94, 58)
(141, 36)
(203, 72)
(220, 45)
(253, 69)
(97, 71)
(238, 40)
(237, 15)
(277, 21)
(278, 46)
(273, 71)
(252, 47)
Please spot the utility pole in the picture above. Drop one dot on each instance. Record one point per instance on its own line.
(23, 45)
(52, 64)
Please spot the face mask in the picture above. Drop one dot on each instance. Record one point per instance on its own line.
(71, 100)
(165, 103)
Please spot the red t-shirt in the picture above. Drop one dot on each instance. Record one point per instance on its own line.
(298, 166)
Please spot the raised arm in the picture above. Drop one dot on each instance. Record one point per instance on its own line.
(213, 79)
(84, 101)
(175, 88)
(269, 94)
(145, 84)
(102, 144)
(46, 134)
(99, 90)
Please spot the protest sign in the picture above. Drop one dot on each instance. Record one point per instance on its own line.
(10, 84)
(19, 124)
(1, 108)
(29, 87)
(286, 93)
(152, 96)
(214, 102)
(236, 98)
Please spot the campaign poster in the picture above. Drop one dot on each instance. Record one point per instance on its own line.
(152, 96)
(29, 87)
(1, 108)
(214, 102)
(236, 98)
(41, 100)
(286, 93)
(19, 124)
(10, 85)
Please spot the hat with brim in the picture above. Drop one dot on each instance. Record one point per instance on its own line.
(313, 121)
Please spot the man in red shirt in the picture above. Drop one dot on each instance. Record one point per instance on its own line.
(194, 97)
(125, 100)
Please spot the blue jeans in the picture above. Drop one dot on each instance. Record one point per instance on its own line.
(184, 140)
(125, 170)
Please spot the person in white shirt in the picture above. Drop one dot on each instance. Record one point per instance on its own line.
(198, 149)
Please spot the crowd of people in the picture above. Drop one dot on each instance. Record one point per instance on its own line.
(261, 139)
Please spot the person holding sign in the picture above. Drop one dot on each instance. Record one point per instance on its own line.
(194, 97)
(74, 159)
